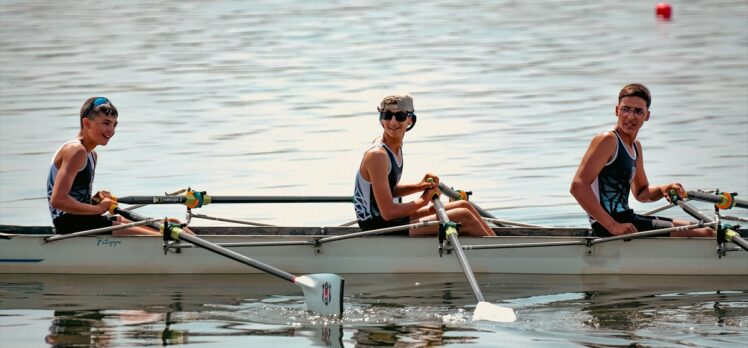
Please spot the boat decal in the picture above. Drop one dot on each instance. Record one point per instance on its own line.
(106, 242)
(326, 293)
(20, 260)
(168, 199)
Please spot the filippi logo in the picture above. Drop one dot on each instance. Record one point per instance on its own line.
(106, 242)
(326, 293)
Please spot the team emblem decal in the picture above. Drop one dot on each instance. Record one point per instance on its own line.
(326, 293)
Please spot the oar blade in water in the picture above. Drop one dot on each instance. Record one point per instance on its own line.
(491, 312)
(323, 293)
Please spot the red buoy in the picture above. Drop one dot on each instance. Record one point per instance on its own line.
(664, 11)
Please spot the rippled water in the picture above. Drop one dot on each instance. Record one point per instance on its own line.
(278, 98)
(381, 310)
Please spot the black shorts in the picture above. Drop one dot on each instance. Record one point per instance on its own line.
(69, 223)
(641, 222)
(378, 222)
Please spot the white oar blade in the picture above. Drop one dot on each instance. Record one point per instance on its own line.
(491, 312)
(323, 293)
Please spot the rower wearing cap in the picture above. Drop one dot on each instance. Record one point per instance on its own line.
(614, 166)
(378, 181)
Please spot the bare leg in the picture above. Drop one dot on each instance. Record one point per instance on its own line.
(461, 212)
(696, 232)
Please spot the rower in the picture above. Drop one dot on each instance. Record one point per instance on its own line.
(378, 181)
(71, 175)
(614, 166)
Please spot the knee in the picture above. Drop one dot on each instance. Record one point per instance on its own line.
(462, 214)
(464, 204)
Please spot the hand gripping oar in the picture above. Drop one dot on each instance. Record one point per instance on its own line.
(484, 310)
(724, 233)
(323, 292)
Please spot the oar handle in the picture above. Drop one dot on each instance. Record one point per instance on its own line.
(435, 195)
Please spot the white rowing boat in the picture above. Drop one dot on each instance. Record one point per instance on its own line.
(282, 251)
(298, 250)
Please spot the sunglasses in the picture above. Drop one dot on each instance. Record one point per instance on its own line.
(96, 102)
(400, 116)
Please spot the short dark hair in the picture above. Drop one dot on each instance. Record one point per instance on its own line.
(94, 106)
(635, 90)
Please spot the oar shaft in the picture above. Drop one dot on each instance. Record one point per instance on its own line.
(739, 241)
(236, 199)
(441, 213)
(237, 257)
(466, 267)
(456, 196)
(212, 247)
(691, 210)
(716, 199)
(132, 207)
(281, 199)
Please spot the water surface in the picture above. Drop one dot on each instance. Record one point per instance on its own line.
(278, 98)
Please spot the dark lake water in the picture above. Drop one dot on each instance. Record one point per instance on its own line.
(278, 98)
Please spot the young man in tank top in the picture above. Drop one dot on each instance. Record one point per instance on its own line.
(614, 166)
(71, 175)
(378, 181)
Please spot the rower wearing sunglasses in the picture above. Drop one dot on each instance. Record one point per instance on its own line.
(378, 181)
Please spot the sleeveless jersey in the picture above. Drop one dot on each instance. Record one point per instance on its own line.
(613, 184)
(363, 194)
(82, 184)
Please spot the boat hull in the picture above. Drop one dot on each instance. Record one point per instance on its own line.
(378, 254)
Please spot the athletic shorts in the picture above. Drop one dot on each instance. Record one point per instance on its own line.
(378, 222)
(641, 222)
(69, 223)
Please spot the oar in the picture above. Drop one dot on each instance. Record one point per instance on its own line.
(449, 192)
(723, 200)
(195, 199)
(133, 207)
(484, 310)
(323, 292)
(729, 234)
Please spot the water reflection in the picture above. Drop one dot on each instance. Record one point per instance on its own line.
(381, 310)
(78, 329)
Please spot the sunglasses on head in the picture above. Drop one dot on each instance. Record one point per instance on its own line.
(96, 102)
(400, 116)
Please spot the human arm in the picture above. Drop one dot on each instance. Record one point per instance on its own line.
(408, 189)
(374, 169)
(600, 151)
(70, 160)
